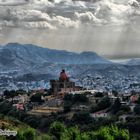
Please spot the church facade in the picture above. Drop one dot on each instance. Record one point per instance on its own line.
(63, 85)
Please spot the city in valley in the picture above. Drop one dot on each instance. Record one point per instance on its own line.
(82, 91)
(64, 96)
(69, 70)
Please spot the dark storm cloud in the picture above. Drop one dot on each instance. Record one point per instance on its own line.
(109, 27)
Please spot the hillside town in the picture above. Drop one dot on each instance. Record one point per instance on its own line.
(122, 84)
(56, 99)
(69, 70)
(73, 105)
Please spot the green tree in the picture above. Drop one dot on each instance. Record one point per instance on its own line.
(137, 109)
(115, 93)
(80, 98)
(125, 108)
(67, 106)
(10, 94)
(116, 106)
(5, 107)
(45, 137)
(68, 97)
(104, 103)
(36, 98)
(26, 133)
(82, 118)
(57, 129)
(99, 94)
(138, 101)
(110, 133)
(74, 133)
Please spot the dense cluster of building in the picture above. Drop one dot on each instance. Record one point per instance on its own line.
(108, 83)
(124, 84)
(53, 102)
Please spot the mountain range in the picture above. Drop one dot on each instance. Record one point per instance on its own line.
(26, 65)
(24, 59)
(27, 55)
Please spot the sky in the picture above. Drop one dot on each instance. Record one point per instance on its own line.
(108, 27)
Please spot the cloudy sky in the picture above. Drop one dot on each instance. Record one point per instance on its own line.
(109, 27)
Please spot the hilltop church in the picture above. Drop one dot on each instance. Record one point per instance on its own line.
(63, 85)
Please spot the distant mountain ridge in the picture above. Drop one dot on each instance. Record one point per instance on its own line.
(28, 54)
(134, 61)
(30, 63)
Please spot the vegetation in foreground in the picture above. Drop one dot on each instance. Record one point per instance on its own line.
(58, 131)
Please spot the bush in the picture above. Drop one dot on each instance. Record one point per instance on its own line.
(26, 133)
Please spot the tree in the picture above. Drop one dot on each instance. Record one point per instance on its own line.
(125, 108)
(10, 94)
(137, 109)
(74, 133)
(29, 133)
(57, 129)
(115, 93)
(68, 97)
(98, 94)
(80, 98)
(26, 133)
(32, 121)
(6, 93)
(76, 98)
(5, 107)
(60, 132)
(67, 106)
(82, 118)
(138, 101)
(112, 133)
(104, 103)
(116, 106)
(36, 98)
(45, 137)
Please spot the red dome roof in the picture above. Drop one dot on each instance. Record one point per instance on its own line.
(63, 75)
